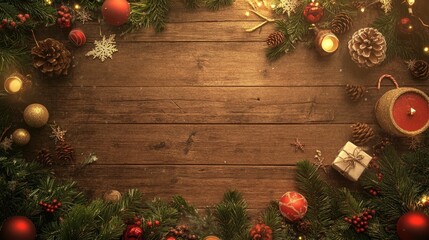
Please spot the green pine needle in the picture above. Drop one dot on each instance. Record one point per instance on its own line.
(156, 14)
(217, 4)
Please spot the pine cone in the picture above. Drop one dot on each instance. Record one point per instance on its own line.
(51, 57)
(275, 39)
(44, 157)
(65, 152)
(381, 145)
(355, 92)
(341, 23)
(419, 69)
(362, 133)
(261, 232)
(304, 226)
(367, 47)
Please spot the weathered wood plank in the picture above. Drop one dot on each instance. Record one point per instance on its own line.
(209, 105)
(201, 185)
(226, 64)
(182, 144)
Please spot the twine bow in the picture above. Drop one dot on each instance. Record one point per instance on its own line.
(352, 159)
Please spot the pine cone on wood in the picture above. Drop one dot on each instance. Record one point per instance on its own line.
(51, 57)
(65, 153)
(362, 133)
(419, 69)
(367, 47)
(355, 92)
(341, 23)
(45, 157)
(275, 39)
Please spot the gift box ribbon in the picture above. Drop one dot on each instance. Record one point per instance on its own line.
(352, 159)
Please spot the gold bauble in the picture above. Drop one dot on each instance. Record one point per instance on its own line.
(36, 115)
(211, 238)
(112, 196)
(21, 136)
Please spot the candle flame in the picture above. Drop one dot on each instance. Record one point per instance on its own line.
(412, 111)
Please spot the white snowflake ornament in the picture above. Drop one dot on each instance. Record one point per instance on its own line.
(287, 6)
(83, 15)
(103, 48)
(386, 5)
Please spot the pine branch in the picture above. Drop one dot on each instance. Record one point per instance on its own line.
(231, 215)
(317, 194)
(156, 14)
(217, 4)
(192, 4)
(272, 217)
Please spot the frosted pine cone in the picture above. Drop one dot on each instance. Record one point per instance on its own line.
(367, 47)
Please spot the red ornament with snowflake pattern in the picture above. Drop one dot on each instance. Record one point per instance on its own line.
(293, 206)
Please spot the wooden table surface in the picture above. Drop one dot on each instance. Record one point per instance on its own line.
(197, 109)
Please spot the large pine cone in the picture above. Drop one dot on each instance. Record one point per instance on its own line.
(341, 23)
(362, 133)
(65, 152)
(367, 47)
(275, 39)
(355, 92)
(419, 69)
(51, 57)
(44, 157)
(261, 232)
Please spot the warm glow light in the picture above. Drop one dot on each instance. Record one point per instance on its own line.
(410, 2)
(329, 44)
(77, 6)
(273, 6)
(48, 2)
(259, 3)
(362, 9)
(247, 13)
(426, 49)
(410, 27)
(13, 84)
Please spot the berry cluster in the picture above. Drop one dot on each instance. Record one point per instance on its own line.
(50, 207)
(137, 220)
(11, 23)
(181, 231)
(64, 17)
(374, 192)
(360, 221)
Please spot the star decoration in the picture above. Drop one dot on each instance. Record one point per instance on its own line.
(386, 5)
(6, 143)
(83, 15)
(298, 145)
(57, 133)
(103, 48)
(319, 158)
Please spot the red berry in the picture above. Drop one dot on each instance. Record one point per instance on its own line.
(55, 207)
(358, 219)
(12, 23)
(54, 200)
(366, 226)
(20, 15)
(59, 204)
(365, 223)
(138, 222)
(373, 212)
(157, 222)
(354, 217)
(362, 229)
(61, 13)
(365, 218)
(27, 16)
(149, 224)
(355, 222)
(346, 219)
(4, 21)
(369, 217)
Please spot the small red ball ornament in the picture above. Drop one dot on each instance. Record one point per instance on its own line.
(132, 232)
(170, 238)
(313, 12)
(77, 37)
(413, 226)
(293, 206)
(405, 26)
(18, 228)
(115, 12)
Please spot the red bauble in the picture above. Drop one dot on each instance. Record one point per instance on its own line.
(170, 238)
(293, 206)
(132, 232)
(413, 226)
(18, 228)
(115, 12)
(77, 37)
(313, 12)
(405, 26)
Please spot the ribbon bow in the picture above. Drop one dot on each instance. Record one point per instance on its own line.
(352, 159)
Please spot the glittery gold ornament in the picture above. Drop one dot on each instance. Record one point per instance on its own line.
(112, 196)
(21, 136)
(36, 115)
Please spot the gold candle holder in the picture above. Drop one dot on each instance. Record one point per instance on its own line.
(16, 83)
(326, 42)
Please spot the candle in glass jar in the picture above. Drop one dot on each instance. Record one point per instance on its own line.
(329, 44)
(13, 84)
(326, 42)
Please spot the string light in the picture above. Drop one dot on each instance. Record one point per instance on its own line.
(77, 6)
(247, 13)
(48, 2)
(273, 6)
(411, 2)
(426, 50)
(259, 3)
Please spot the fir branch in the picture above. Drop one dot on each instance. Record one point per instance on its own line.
(12, 58)
(156, 14)
(272, 217)
(217, 4)
(349, 205)
(192, 4)
(137, 17)
(317, 194)
(231, 215)
(162, 211)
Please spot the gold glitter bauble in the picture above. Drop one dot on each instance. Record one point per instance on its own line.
(211, 238)
(36, 115)
(21, 136)
(112, 196)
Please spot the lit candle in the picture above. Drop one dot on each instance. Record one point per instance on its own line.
(326, 42)
(13, 84)
(403, 112)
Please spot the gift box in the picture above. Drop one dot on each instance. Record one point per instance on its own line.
(351, 161)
